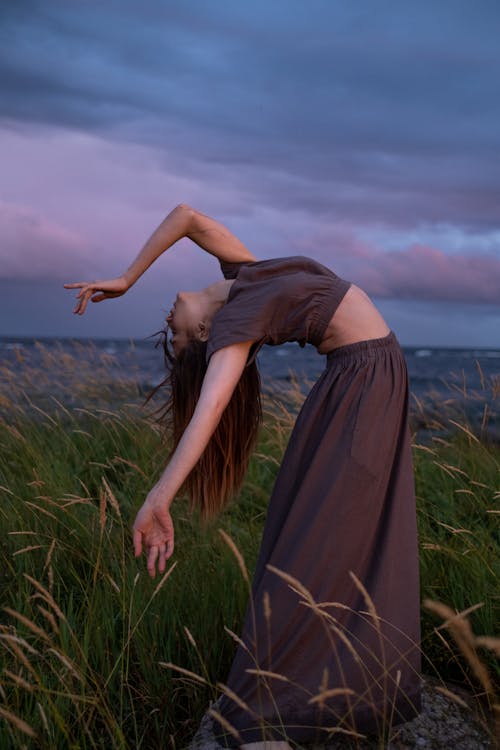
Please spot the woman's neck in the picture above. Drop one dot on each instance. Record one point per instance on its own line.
(216, 295)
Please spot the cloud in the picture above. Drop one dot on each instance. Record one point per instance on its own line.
(426, 273)
(417, 272)
(107, 198)
(32, 247)
(388, 117)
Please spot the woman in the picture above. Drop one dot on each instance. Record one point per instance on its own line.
(341, 654)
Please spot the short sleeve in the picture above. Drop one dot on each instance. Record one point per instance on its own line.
(230, 270)
(245, 315)
(232, 325)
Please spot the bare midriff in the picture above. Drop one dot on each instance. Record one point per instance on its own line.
(355, 319)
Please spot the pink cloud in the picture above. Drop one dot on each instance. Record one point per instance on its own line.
(32, 247)
(423, 272)
(416, 272)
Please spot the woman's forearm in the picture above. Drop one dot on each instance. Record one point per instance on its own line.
(188, 452)
(174, 227)
(224, 371)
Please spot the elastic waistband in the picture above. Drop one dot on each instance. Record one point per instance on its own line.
(366, 347)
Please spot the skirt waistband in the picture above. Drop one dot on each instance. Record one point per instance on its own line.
(346, 352)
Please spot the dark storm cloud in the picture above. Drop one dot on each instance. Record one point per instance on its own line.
(385, 114)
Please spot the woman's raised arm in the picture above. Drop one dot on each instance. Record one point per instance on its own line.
(183, 221)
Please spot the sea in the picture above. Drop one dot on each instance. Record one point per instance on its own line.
(436, 374)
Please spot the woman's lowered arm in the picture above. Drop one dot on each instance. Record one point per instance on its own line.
(153, 529)
(183, 221)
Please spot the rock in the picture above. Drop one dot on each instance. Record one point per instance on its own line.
(443, 724)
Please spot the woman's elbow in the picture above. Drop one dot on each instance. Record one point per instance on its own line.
(185, 208)
(187, 213)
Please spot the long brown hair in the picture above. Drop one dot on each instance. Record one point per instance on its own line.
(220, 470)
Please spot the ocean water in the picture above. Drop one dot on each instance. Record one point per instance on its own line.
(435, 373)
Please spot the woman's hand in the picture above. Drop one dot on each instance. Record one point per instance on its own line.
(153, 529)
(97, 291)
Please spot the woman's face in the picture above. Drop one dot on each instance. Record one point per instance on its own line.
(185, 319)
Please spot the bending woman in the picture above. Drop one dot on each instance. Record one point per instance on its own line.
(340, 651)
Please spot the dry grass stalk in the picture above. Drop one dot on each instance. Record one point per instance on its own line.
(67, 663)
(465, 429)
(334, 625)
(50, 617)
(452, 528)
(267, 673)
(27, 549)
(236, 698)
(20, 680)
(449, 694)
(236, 638)
(49, 554)
(190, 636)
(162, 581)
(266, 601)
(331, 693)
(102, 509)
(393, 705)
(42, 510)
(461, 631)
(225, 723)
(121, 460)
(28, 623)
(47, 596)
(294, 584)
(234, 549)
(460, 616)
(11, 645)
(44, 717)
(110, 497)
(366, 596)
(348, 732)
(182, 670)
(17, 722)
(113, 583)
(489, 642)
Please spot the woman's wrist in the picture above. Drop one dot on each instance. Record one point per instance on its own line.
(159, 497)
(128, 279)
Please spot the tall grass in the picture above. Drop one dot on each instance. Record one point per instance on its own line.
(85, 634)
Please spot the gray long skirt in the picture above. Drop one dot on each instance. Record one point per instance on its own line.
(339, 649)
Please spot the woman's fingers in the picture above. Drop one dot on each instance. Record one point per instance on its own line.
(170, 548)
(162, 558)
(82, 303)
(153, 532)
(86, 291)
(159, 553)
(97, 291)
(152, 557)
(137, 536)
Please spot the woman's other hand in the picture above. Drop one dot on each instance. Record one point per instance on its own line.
(97, 291)
(153, 531)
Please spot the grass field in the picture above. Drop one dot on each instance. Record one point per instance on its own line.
(85, 634)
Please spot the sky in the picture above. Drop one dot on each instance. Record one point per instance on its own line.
(364, 134)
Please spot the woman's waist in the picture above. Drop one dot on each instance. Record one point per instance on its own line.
(363, 347)
(356, 319)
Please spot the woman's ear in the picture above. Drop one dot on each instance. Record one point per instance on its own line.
(203, 331)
